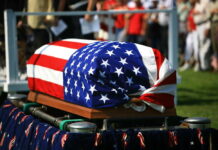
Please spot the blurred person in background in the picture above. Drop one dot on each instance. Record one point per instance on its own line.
(153, 31)
(136, 24)
(213, 10)
(110, 4)
(39, 24)
(201, 18)
(17, 5)
(147, 4)
(106, 21)
(119, 22)
(191, 46)
(73, 22)
(163, 19)
(183, 8)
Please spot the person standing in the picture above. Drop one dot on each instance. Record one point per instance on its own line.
(163, 19)
(39, 23)
(183, 7)
(213, 10)
(191, 46)
(136, 24)
(73, 22)
(202, 21)
(119, 22)
(153, 31)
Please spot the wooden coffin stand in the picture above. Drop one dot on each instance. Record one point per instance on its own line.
(89, 113)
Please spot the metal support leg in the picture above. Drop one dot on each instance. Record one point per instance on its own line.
(105, 124)
(11, 46)
(173, 40)
(11, 54)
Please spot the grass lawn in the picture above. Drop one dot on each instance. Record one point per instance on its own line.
(198, 95)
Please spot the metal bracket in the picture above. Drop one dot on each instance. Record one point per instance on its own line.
(63, 123)
(26, 106)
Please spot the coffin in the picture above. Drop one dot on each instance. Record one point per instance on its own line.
(93, 76)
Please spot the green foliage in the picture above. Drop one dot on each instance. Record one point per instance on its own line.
(198, 95)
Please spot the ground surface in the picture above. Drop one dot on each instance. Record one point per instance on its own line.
(198, 95)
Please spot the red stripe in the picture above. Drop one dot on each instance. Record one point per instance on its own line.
(171, 79)
(159, 58)
(48, 62)
(166, 100)
(46, 87)
(68, 44)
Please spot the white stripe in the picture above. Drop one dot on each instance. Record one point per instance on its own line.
(45, 74)
(56, 51)
(165, 70)
(167, 89)
(157, 107)
(149, 62)
(80, 40)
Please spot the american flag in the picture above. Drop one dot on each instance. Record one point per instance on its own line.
(100, 74)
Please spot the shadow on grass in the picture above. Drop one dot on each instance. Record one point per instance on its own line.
(197, 97)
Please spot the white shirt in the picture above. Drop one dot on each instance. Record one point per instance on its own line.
(163, 18)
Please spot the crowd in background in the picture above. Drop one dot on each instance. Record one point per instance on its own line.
(198, 26)
(199, 33)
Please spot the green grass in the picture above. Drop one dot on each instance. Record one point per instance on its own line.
(198, 95)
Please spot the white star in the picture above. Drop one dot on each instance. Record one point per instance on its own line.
(81, 55)
(91, 50)
(76, 53)
(84, 67)
(92, 89)
(104, 98)
(126, 97)
(105, 63)
(97, 51)
(68, 81)
(96, 45)
(78, 94)
(129, 81)
(119, 71)
(93, 59)
(75, 83)
(110, 53)
(65, 71)
(72, 63)
(71, 73)
(85, 49)
(83, 87)
(113, 82)
(87, 57)
(78, 74)
(86, 77)
(78, 65)
(142, 88)
(129, 52)
(122, 89)
(100, 81)
(122, 42)
(71, 91)
(87, 97)
(103, 45)
(123, 61)
(91, 71)
(114, 90)
(91, 44)
(66, 90)
(102, 74)
(136, 70)
(115, 46)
